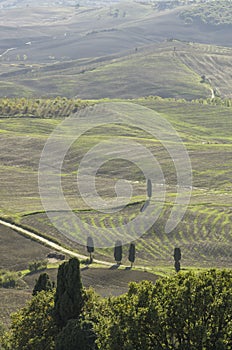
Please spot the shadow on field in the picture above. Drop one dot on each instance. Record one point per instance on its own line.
(114, 267)
(84, 268)
(128, 268)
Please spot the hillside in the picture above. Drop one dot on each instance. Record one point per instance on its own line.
(204, 233)
(177, 69)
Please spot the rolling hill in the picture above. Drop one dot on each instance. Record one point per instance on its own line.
(204, 233)
(170, 69)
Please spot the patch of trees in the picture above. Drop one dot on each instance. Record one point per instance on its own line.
(211, 12)
(37, 265)
(185, 311)
(61, 107)
(58, 107)
(216, 101)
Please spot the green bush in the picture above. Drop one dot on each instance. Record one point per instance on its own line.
(9, 279)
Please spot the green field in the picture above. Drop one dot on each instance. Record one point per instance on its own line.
(205, 231)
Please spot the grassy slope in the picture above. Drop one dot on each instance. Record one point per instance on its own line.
(125, 77)
(174, 74)
(203, 234)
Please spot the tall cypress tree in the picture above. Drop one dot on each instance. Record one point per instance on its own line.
(118, 252)
(177, 258)
(69, 293)
(131, 256)
(90, 248)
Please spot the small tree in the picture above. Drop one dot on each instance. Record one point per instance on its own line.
(43, 283)
(90, 248)
(131, 256)
(149, 188)
(118, 252)
(177, 258)
(177, 254)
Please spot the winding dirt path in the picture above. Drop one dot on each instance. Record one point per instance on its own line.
(48, 243)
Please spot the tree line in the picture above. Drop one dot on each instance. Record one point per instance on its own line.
(186, 311)
(61, 107)
(131, 253)
(117, 251)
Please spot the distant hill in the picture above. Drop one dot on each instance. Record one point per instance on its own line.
(60, 33)
(171, 69)
(126, 49)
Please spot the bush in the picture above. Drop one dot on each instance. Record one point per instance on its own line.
(9, 279)
(36, 266)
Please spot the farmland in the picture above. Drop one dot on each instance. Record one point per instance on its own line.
(203, 234)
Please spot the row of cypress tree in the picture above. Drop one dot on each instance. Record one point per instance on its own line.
(117, 251)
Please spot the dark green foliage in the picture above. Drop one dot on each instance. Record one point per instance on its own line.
(177, 266)
(43, 283)
(177, 258)
(149, 188)
(90, 247)
(131, 256)
(118, 252)
(76, 335)
(177, 254)
(187, 311)
(184, 312)
(32, 327)
(69, 293)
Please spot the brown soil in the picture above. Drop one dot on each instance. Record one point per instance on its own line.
(113, 281)
(104, 281)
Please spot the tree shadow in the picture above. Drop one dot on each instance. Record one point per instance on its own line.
(114, 267)
(85, 268)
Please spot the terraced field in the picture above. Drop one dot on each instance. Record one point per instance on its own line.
(204, 234)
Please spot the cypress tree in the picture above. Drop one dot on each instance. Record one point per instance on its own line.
(131, 256)
(177, 258)
(118, 252)
(177, 254)
(90, 247)
(149, 188)
(69, 293)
